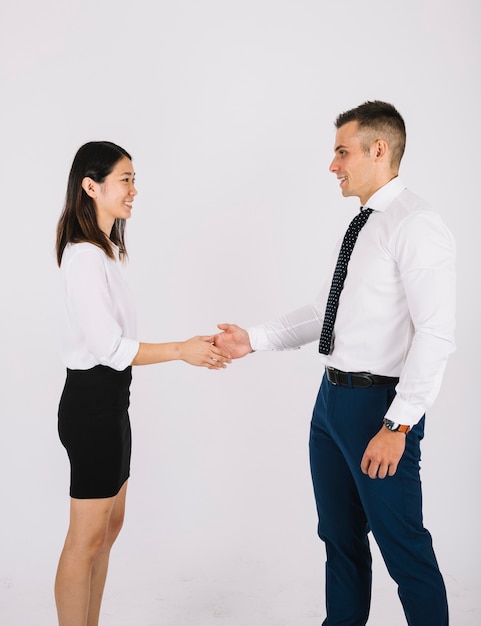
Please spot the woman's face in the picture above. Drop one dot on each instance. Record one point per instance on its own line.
(114, 197)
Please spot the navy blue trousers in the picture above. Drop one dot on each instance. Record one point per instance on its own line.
(350, 505)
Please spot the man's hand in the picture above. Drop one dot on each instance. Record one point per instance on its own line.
(234, 341)
(383, 453)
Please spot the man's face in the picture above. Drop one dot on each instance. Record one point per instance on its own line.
(354, 168)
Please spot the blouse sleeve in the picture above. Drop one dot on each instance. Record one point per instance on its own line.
(90, 306)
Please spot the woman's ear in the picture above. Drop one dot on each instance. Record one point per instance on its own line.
(89, 186)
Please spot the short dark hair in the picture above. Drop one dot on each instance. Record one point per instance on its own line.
(382, 119)
(78, 221)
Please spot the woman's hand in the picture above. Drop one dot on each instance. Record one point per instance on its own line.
(202, 352)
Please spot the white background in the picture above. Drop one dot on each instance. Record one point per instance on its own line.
(228, 110)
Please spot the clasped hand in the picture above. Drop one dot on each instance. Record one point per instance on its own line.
(202, 352)
(216, 351)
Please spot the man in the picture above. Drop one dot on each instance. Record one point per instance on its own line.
(386, 324)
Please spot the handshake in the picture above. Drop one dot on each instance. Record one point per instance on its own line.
(216, 351)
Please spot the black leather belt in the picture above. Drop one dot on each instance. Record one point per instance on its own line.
(358, 379)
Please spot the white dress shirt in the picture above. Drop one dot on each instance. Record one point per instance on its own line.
(396, 313)
(98, 325)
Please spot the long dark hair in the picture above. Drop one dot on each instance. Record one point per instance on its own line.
(78, 221)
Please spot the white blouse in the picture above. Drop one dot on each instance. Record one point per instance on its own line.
(98, 324)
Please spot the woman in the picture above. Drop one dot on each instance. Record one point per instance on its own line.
(99, 346)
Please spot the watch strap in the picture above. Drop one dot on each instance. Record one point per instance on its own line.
(395, 427)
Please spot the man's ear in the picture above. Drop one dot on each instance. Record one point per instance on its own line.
(379, 149)
(89, 186)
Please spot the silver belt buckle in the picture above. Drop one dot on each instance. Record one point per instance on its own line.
(333, 372)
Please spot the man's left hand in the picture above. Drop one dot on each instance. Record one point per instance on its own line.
(383, 453)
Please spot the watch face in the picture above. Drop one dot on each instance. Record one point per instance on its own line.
(390, 425)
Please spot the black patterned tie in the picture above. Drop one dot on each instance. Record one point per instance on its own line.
(326, 342)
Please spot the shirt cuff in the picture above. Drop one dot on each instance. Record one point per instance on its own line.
(401, 412)
(258, 338)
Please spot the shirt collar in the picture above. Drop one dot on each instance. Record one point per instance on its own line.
(383, 197)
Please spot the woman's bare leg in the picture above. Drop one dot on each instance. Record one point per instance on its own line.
(86, 539)
(101, 563)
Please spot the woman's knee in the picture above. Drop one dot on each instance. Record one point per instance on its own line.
(116, 523)
(89, 525)
(84, 544)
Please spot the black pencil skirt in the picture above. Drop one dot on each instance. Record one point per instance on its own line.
(94, 427)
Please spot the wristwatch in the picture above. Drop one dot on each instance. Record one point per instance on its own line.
(395, 427)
